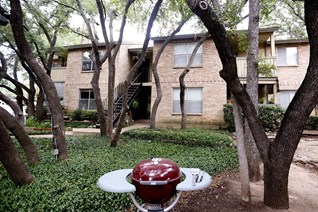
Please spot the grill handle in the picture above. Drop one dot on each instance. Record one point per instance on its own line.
(152, 183)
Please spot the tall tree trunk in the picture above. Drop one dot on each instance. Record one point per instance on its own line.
(95, 55)
(156, 75)
(16, 20)
(137, 66)
(18, 89)
(124, 109)
(253, 157)
(182, 83)
(98, 98)
(276, 184)
(19, 132)
(31, 94)
(39, 105)
(11, 160)
(278, 154)
(110, 99)
(244, 176)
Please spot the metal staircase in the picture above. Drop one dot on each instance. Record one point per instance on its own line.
(133, 91)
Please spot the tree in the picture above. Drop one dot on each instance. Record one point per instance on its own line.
(185, 16)
(252, 87)
(9, 156)
(16, 22)
(156, 75)
(133, 70)
(183, 75)
(243, 163)
(276, 155)
(11, 160)
(289, 16)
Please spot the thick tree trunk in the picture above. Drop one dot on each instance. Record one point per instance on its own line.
(276, 185)
(277, 155)
(11, 160)
(252, 88)
(19, 132)
(16, 20)
(156, 75)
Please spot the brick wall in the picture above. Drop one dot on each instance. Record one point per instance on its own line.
(290, 77)
(207, 77)
(76, 79)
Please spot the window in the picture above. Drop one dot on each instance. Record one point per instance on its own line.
(285, 97)
(87, 101)
(287, 56)
(182, 54)
(87, 64)
(193, 100)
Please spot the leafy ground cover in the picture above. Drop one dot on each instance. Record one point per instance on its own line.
(71, 185)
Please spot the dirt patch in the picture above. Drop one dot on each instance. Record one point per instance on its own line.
(224, 192)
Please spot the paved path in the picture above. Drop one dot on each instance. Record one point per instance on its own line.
(92, 131)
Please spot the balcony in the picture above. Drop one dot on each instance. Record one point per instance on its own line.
(242, 66)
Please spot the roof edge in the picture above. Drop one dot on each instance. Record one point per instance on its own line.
(199, 35)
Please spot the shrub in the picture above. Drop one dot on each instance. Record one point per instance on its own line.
(188, 137)
(312, 123)
(90, 115)
(270, 117)
(32, 122)
(228, 117)
(80, 115)
(77, 115)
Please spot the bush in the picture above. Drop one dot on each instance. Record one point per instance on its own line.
(312, 123)
(188, 137)
(270, 117)
(32, 122)
(228, 117)
(81, 115)
(90, 115)
(77, 115)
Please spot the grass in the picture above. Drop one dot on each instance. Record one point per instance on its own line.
(70, 185)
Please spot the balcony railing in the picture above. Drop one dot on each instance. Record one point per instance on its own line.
(242, 65)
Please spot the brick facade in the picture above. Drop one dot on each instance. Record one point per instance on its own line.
(207, 77)
(77, 79)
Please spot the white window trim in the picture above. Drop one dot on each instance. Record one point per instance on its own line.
(288, 65)
(88, 100)
(188, 54)
(85, 59)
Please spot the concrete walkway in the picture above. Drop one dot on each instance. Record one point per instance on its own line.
(92, 131)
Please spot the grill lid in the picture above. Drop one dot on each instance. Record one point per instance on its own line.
(157, 170)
